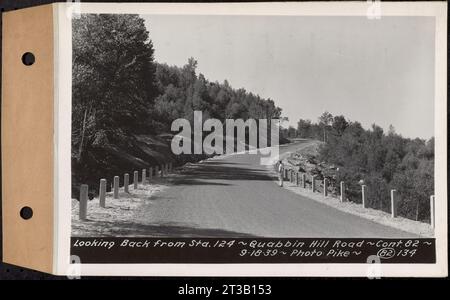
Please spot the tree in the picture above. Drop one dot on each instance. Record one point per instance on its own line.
(339, 125)
(324, 122)
(113, 79)
(304, 128)
(122, 98)
(384, 162)
(292, 132)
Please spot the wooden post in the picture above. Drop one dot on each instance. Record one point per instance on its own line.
(343, 199)
(116, 187)
(304, 180)
(156, 171)
(126, 182)
(296, 178)
(102, 193)
(83, 201)
(292, 176)
(364, 195)
(432, 220)
(144, 176)
(135, 179)
(325, 187)
(313, 183)
(150, 174)
(393, 203)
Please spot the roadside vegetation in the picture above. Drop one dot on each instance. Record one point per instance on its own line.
(380, 160)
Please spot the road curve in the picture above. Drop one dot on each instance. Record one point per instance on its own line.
(235, 196)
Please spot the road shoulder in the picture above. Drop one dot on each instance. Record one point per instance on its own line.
(422, 229)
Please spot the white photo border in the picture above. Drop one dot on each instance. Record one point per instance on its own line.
(63, 13)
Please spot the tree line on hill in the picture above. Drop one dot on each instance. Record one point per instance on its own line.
(382, 161)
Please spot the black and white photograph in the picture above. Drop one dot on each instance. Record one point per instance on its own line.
(236, 142)
(254, 138)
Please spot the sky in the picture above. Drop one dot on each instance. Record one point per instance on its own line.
(371, 71)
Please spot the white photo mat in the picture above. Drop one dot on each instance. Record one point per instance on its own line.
(63, 87)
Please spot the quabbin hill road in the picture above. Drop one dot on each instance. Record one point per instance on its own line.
(236, 196)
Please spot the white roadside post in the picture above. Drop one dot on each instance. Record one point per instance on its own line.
(343, 199)
(393, 203)
(135, 179)
(126, 182)
(83, 201)
(144, 176)
(364, 195)
(116, 187)
(102, 193)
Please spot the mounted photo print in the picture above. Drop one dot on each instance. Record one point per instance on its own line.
(226, 139)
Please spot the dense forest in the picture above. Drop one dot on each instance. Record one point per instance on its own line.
(382, 161)
(123, 101)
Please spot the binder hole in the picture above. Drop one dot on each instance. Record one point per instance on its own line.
(28, 58)
(26, 213)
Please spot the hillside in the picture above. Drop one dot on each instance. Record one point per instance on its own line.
(136, 153)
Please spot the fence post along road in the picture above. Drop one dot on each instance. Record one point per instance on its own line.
(293, 176)
(394, 199)
(126, 182)
(102, 193)
(84, 188)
